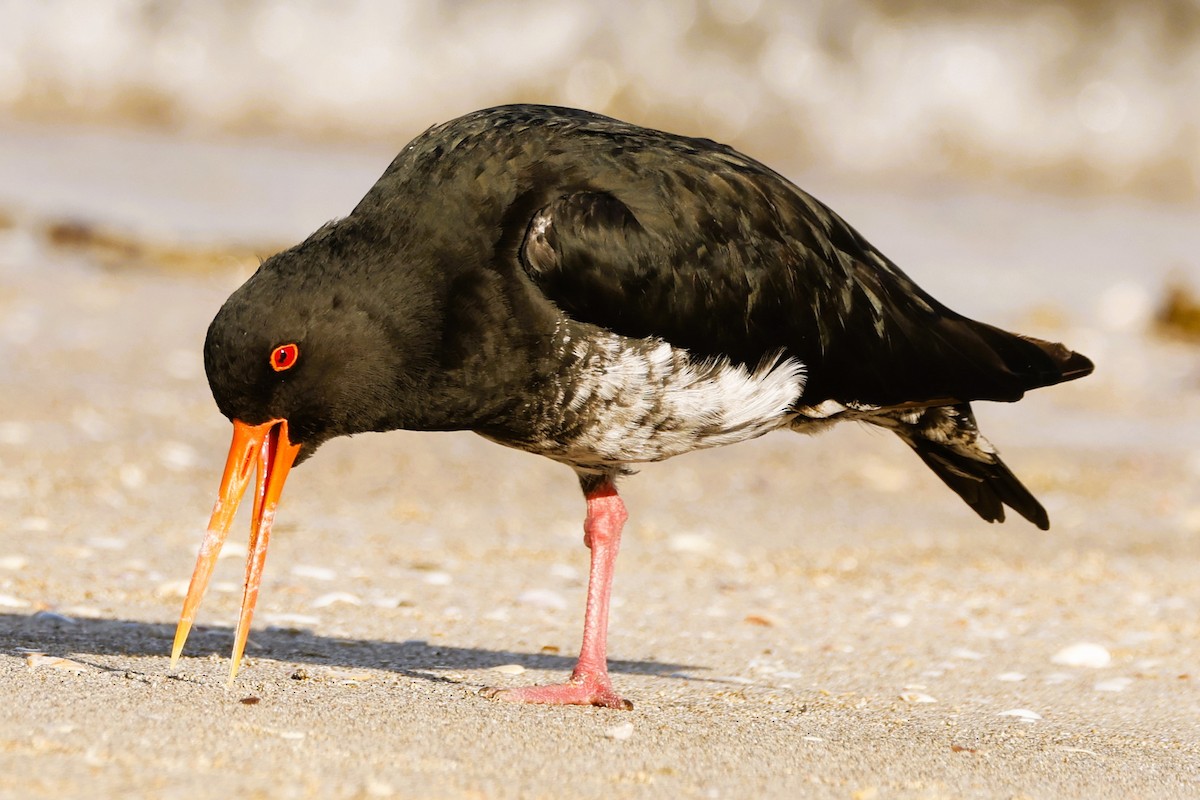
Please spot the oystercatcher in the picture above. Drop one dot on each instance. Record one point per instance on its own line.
(602, 294)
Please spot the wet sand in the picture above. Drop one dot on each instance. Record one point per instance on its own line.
(812, 617)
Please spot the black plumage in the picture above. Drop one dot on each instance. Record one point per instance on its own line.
(604, 294)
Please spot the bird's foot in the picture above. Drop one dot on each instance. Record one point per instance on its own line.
(588, 690)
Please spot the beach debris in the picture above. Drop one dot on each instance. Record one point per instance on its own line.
(172, 589)
(439, 578)
(565, 571)
(509, 669)
(1083, 654)
(330, 598)
(763, 620)
(917, 697)
(542, 598)
(249, 701)
(314, 572)
(1023, 714)
(42, 661)
(621, 732)
(697, 543)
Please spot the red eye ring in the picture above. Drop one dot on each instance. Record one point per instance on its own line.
(284, 357)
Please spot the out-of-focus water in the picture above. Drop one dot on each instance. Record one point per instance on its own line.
(1077, 94)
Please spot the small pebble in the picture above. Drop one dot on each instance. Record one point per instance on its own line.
(509, 669)
(1010, 677)
(1114, 685)
(1083, 654)
(738, 679)
(1023, 714)
(330, 598)
(13, 562)
(542, 598)
(698, 543)
(620, 732)
(917, 697)
(8, 601)
(564, 571)
(172, 588)
(439, 578)
(965, 654)
(316, 573)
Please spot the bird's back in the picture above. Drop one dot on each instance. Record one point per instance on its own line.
(650, 234)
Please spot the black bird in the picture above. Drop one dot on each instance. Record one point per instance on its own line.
(602, 294)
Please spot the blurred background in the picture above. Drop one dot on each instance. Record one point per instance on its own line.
(1081, 95)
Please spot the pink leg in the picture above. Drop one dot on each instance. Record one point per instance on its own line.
(589, 683)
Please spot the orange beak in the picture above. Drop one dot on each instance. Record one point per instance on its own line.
(266, 447)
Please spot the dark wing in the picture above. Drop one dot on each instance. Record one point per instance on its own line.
(711, 251)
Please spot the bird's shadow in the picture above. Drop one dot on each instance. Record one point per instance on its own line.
(54, 634)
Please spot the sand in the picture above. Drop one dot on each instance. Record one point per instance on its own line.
(793, 617)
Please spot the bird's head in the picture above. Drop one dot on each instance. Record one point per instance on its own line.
(307, 349)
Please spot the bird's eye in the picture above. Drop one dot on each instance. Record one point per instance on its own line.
(284, 357)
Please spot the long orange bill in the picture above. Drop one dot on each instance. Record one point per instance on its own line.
(267, 448)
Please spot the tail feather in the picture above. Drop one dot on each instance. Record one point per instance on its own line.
(948, 441)
(1006, 365)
